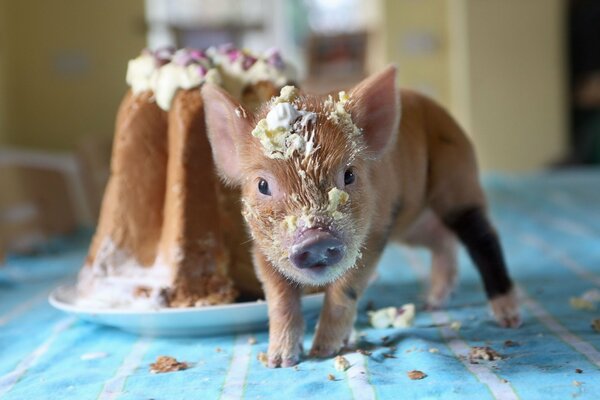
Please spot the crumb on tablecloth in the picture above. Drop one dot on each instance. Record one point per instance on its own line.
(262, 357)
(434, 350)
(167, 364)
(251, 340)
(331, 377)
(578, 371)
(483, 353)
(579, 303)
(455, 325)
(416, 374)
(401, 317)
(511, 343)
(341, 363)
(587, 301)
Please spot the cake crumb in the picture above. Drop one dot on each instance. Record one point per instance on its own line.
(341, 363)
(455, 325)
(262, 357)
(167, 364)
(142, 291)
(483, 353)
(578, 371)
(251, 340)
(577, 383)
(402, 317)
(364, 352)
(331, 377)
(596, 324)
(580, 303)
(218, 349)
(416, 374)
(511, 343)
(434, 350)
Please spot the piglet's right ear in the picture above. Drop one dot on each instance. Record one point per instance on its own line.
(227, 124)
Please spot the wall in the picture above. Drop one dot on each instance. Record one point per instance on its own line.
(4, 125)
(509, 79)
(416, 40)
(65, 63)
(498, 65)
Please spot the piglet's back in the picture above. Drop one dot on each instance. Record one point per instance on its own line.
(431, 153)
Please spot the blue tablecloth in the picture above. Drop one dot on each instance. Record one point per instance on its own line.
(550, 225)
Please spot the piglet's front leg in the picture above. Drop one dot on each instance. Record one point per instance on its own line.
(339, 311)
(286, 325)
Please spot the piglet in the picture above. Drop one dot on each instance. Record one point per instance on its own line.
(327, 181)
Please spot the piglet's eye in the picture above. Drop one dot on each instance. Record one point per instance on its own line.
(349, 177)
(263, 187)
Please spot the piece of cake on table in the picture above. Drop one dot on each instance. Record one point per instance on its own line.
(170, 234)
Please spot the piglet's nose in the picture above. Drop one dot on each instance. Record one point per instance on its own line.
(316, 249)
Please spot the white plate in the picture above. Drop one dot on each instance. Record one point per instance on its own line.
(192, 321)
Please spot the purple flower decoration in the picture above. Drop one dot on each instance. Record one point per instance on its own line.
(234, 55)
(225, 48)
(197, 55)
(182, 57)
(201, 70)
(248, 61)
(164, 55)
(274, 59)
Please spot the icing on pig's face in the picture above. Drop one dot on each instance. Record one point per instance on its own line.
(303, 163)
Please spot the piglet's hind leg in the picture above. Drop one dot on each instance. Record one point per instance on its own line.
(475, 231)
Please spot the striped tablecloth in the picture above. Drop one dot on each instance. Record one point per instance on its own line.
(550, 226)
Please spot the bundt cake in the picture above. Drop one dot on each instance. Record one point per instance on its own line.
(170, 233)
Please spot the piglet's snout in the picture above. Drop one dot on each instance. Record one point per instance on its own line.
(316, 248)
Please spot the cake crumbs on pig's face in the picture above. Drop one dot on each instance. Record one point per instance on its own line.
(303, 166)
(311, 178)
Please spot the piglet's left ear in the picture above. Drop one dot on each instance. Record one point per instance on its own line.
(375, 109)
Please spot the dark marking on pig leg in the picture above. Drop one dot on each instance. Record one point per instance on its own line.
(350, 293)
(396, 209)
(446, 139)
(475, 231)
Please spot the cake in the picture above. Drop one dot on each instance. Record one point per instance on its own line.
(170, 233)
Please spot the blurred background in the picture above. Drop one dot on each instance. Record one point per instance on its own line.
(522, 76)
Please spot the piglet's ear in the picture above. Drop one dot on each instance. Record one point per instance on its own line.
(375, 109)
(227, 124)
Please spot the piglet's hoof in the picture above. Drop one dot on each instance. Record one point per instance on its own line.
(506, 310)
(277, 361)
(284, 357)
(324, 351)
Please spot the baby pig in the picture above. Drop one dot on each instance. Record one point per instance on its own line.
(328, 181)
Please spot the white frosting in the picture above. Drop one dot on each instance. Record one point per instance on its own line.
(115, 276)
(186, 69)
(180, 71)
(283, 116)
(139, 73)
(237, 74)
(262, 71)
(339, 115)
(171, 77)
(402, 317)
(284, 131)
